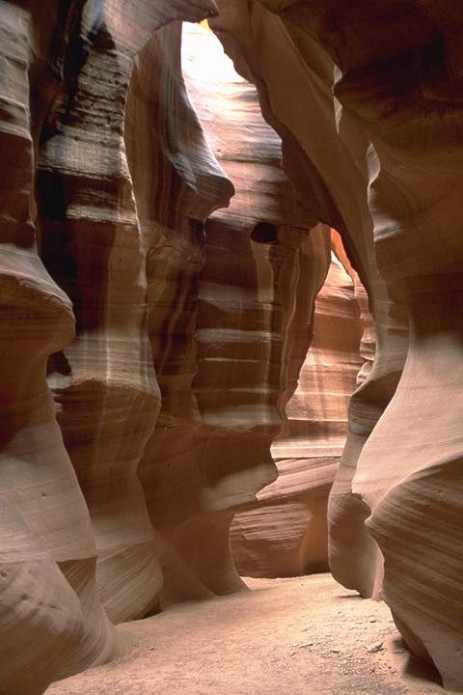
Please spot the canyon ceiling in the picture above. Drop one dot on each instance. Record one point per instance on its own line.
(231, 314)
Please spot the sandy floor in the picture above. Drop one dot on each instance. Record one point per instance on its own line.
(300, 636)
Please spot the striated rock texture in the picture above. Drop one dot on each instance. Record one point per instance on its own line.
(177, 184)
(94, 243)
(127, 297)
(381, 82)
(228, 357)
(151, 341)
(103, 383)
(101, 243)
(285, 533)
(50, 614)
(311, 146)
(67, 204)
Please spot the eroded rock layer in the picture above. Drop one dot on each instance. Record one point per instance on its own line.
(228, 357)
(76, 536)
(338, 194)
(286, 532)
(152, 338)
(51, 616)
(177, 184)
(381, 80)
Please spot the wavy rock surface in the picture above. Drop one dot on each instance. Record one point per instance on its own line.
(177, 183)
(311, 145)
(393, 128)
(172, 334)
(57, 111)
(104, 383)
(50, 614)
(242, 324)
(286, 533)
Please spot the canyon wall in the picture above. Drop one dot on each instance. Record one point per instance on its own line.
(262, 295)
(373, 104)
(158, 276)
(285, 533)
(227, 358)
(149, 345)
(79, 550)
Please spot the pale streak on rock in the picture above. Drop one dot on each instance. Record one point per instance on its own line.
(45, 525)
(393, 130)
(332, 174)
(286, 534)
(255, 303)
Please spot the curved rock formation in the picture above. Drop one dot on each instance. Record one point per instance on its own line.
(380, 80)
(177, 184)
(48, 553)
(286, 533)
(328, 158)
(104, 382)
(238, 325)
(90, 244)
(192, 323)
(106, 394)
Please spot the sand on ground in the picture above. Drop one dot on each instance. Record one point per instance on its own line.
(292, 636)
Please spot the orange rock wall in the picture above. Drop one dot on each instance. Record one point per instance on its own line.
(380, 81)
(152, 337)
(286, 532)
(77, 542)
(228, 357)
(143, 377)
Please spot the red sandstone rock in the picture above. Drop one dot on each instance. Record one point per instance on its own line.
(239, 325)
(380, 81)
(286, 533)
(52, 617)
(50, 612)
(93, 243)
(107, 187)
(337, 193)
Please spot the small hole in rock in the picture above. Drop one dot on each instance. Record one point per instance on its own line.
(265, 233)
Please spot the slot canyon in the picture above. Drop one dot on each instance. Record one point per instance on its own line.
(231, 347)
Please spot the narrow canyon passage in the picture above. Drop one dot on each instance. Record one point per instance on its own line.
(304, 634)
(231, 328)
(283, 327)
(295, 636)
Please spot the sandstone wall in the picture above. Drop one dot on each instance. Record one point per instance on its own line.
(151, 340)
(117, 300)
(74, 512)
(228, 356)
(286, 532)
(380, 81)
